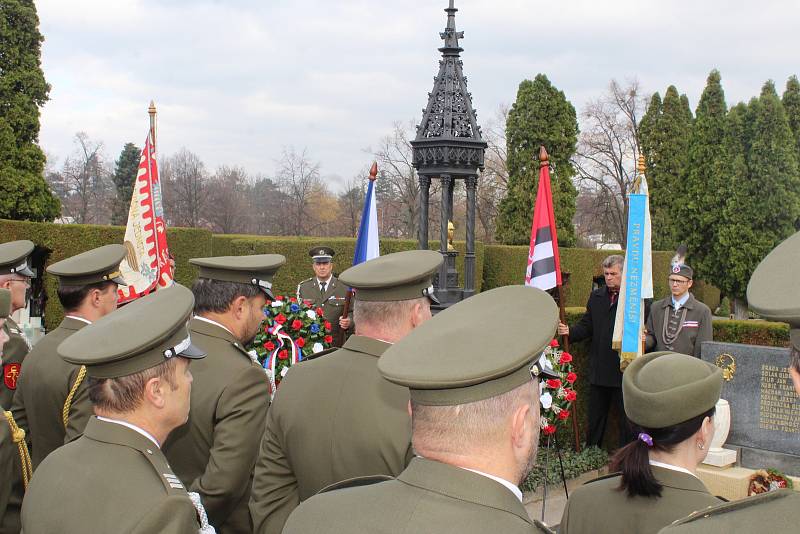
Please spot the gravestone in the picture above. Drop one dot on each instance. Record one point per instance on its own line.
(765, 410)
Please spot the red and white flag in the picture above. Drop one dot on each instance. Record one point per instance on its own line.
(146, 266)
(544, 266)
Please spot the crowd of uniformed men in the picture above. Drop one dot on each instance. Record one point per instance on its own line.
(154, 418)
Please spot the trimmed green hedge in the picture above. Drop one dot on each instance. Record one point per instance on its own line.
(505, 265)
(752, 332)
(65, 240)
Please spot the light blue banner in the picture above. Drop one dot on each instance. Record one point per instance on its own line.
(634, 258)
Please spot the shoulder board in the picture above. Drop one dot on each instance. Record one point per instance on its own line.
(356, 482)
(541, 527)
(306, 280)
(733, 506)
(604, 477)
(321, 353)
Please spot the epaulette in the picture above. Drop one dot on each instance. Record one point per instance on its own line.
(321, 353)
(541, 527)
(356, 482)
(604, 477)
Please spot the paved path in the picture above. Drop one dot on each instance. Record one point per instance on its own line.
(556, 500)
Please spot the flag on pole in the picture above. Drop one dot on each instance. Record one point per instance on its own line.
(367, 242)
(637, 274)
(146, 266)
(544, 265)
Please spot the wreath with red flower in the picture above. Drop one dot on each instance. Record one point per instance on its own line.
(557, 394)
(291, 331)
(765, 480)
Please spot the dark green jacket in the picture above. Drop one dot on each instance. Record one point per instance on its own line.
(427, 498)
(332, 418)
(110, 480)
(214, 452)
(42, 391)
(12, 488)
(598, 506)
(331, 302)
(690, 338)
(14, 352)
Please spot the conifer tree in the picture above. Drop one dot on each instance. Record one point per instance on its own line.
(24, 194)
(127, 166)
(791, 103)
(541, 115)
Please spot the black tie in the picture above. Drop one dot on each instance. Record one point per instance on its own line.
(322, 286)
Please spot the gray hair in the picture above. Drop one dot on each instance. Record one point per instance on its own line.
(217, 295)
(383, 314)
(615, 260)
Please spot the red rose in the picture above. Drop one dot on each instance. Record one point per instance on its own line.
(327, 326)
(328, 339)
(268, 303)
(292, 299)
(571, 395)
(549, 429)
(279, 297)
(297, 324)
(563, 414)
(553, 383)
(319, 311)
(269, 345)
(571, 378)
(566, 357)
(554, 343)
(301, 342)
(307, 302)
(284, 354)
(280, 318)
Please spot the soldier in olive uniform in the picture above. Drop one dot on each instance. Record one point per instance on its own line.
(475, 419)
(115, 478)
(15, 276)
(335, 417)
(325, 291)
(214, 452)
(51, 402)
(679, 323)
(669, 399)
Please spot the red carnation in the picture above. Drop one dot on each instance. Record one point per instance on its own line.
(566, 357)
(301, 342)
(319, 311)
(554, 343)
(268, 303)
(292, 299)
(284, 354)
(563, 414)
(297, 324)
(553, 383)
(269, 345)
(327, 326)
(329, 339)
(280, 318)
(549, 429)
(571, 378)
(571, 395)
(307, 302)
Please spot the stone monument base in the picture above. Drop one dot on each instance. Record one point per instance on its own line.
(720, 457)
(730, 482)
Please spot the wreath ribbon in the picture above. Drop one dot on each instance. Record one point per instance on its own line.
(283, 340)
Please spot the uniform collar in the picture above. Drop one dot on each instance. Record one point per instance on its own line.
(73, 322)
(511, 487)
(673, 467)
(674, 478)
(366, 345)
(462, 484)
(110, 431)
(327, 281)
(211, 328)
(688, 303)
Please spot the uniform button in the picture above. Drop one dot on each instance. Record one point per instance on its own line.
(149, 451)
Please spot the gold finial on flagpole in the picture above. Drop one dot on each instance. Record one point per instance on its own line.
(373, 171)
(152, 111)
(544, 159)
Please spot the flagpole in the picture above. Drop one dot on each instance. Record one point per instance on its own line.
(152, 112)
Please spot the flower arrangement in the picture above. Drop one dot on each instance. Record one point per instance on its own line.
(763, 481)
(291, 331)
(557, 394)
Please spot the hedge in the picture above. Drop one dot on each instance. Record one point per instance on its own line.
(505, 265)
(61, 241)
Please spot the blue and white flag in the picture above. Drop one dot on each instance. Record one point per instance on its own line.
(367, 243)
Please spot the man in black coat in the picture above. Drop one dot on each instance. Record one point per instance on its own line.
(605, 378)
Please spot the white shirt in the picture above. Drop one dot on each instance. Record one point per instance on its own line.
(511, 487)
(327, 283)
(78, 318)
(132, 427)
(214, 323)
(673, 467)
(680, 302)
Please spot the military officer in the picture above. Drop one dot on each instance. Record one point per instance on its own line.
(475, 418)
(325, 291)
(115, 478)
(214, 452)
(679, 323)
(15, 275)
(51, 402)
(335, 417)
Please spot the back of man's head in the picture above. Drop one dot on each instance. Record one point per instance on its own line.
(389, 320)
(73, 298)
(217, 296)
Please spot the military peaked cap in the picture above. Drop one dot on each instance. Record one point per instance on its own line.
(662, 389)
(400, 276)
(97, 265)
(322, 254)
(14, 257)
(461, 355)
(774, 288)
(138, 336)
(5, 303)
(257, 269)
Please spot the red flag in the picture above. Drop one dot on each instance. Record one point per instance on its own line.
(147, 265)
(544, 265)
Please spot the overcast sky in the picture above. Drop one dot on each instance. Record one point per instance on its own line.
(235, 81)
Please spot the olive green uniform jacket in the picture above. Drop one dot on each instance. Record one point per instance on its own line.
(111, 480)
(331, 302)
(214, 452)
(14, 352)
(695, 329)
(42, 391)
(428, 497)
(12, 487)
(332, 418)
(598, 506)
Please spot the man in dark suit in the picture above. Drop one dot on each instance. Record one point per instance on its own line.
(605, 378)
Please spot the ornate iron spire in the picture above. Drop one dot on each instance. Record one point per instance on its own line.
(450, 35)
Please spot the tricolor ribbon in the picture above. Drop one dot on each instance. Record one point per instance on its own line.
(283, 340)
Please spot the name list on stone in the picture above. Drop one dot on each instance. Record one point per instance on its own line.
(779, 407)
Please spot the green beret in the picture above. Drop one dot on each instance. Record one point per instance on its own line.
(774, 288)
(138, 336)
(14, 257)
(257, 269)
(322, 254)
(462, 355)
(400, 276)
(662, 389)
(97, 265)
(681, 269)
(5, 303)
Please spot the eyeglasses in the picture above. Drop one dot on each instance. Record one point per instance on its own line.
(673, 281)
